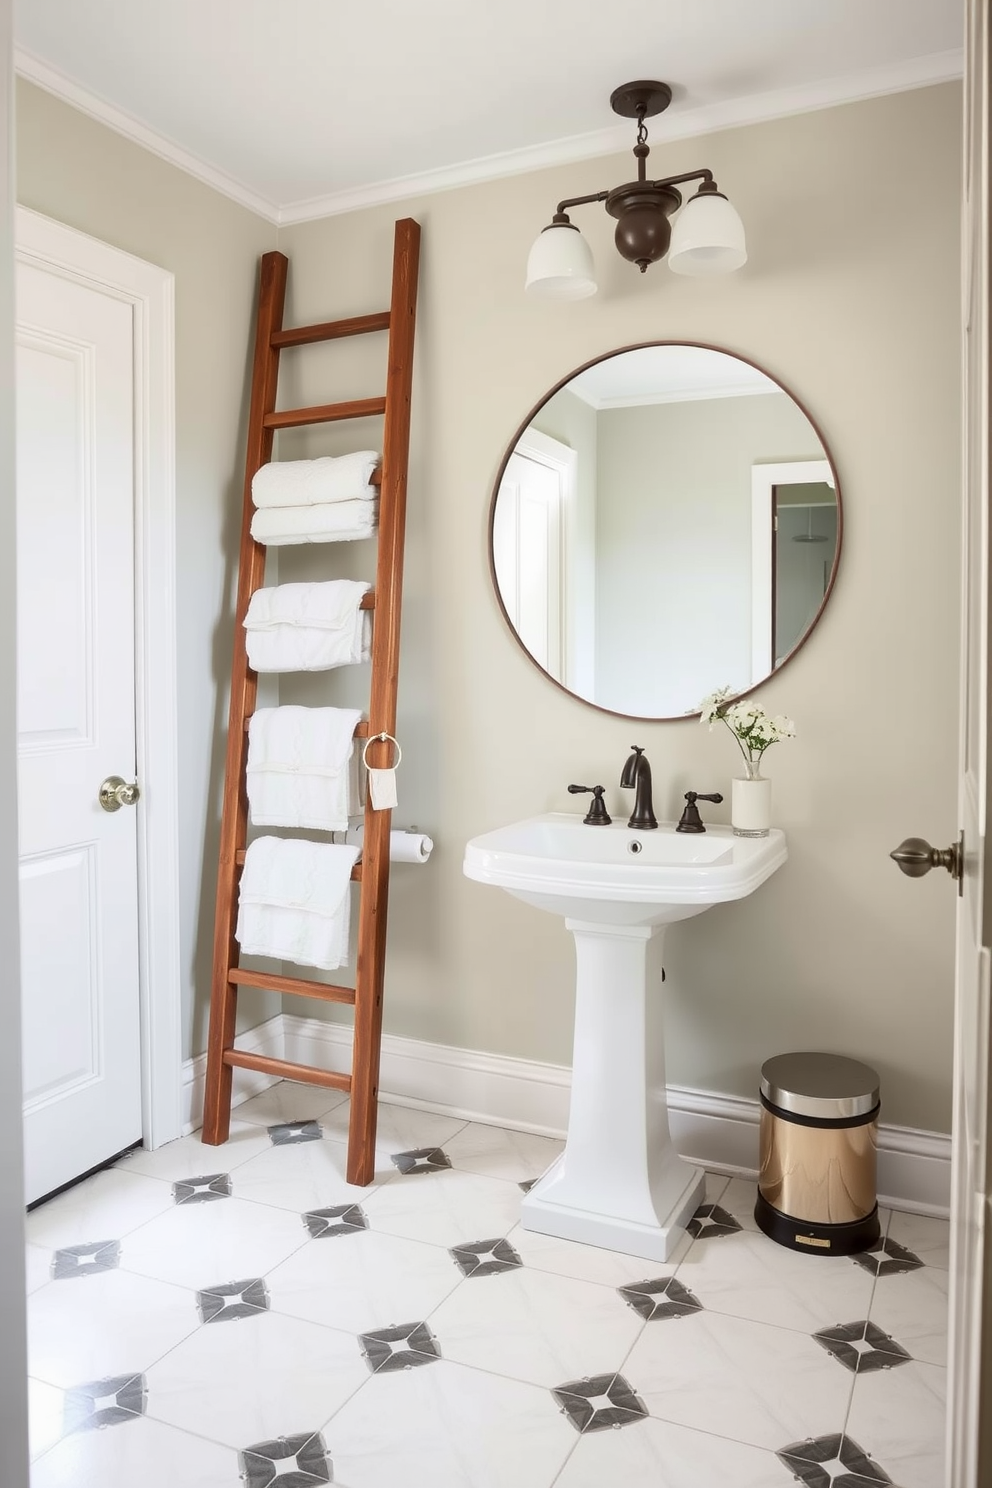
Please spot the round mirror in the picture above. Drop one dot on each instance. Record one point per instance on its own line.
(665, 522)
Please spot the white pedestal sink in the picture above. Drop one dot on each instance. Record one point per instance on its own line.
(619, 1183)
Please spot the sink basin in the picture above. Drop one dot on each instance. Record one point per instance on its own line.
(619, 876)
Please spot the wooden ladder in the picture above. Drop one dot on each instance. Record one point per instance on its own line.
(372, 869)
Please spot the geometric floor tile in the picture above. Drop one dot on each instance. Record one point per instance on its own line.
(202, 1190)
(422, 1160)
(232, 1300)
(105, 1402)
(664, 1298)
(485, 1257)
(287, 1133)
(84, 1260)
(710, 1219)
(831, 1462)
(289, 1462)
(861, 1347)
(887, 1258)
(401, 1347)
(341, 1219)
(599, 1402)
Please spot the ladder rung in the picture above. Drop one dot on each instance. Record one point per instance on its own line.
(356, 872)
(361, 727)
(356, 325)
(324, 413)
(297, 986)
(285, 1070)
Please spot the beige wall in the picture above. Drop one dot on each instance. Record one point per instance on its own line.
(850, 299)
(85, 175)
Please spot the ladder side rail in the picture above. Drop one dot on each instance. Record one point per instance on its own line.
(382, 702)
(244, 687)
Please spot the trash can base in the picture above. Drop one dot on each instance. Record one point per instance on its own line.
(817, 1239)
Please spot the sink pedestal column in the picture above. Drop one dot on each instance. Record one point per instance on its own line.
(619, 1184)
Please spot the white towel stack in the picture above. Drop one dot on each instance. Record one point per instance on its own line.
(308, 501)
(298, 772)
(295, 901)
(307, 627)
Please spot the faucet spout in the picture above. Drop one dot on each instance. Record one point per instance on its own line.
(636, 776)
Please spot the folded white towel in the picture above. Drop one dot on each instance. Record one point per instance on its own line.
(295, 901)
(307, 627)
(316, 482)
(341, 521)
(298, 767)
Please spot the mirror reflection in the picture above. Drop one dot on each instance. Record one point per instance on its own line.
(666, 522)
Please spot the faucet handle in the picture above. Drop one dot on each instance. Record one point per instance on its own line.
(597, 815)
(690, 820)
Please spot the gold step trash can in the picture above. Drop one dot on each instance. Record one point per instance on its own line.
(819, 1128)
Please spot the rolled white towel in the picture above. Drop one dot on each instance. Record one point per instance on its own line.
(307, 627)
(298, 771)
(295, 900)
(316, 482)
(342, 521)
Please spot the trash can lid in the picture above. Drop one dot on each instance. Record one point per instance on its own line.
(827, 1086)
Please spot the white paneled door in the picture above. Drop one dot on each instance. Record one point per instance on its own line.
(76, 723)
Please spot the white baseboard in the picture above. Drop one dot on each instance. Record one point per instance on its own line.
(719, 1132)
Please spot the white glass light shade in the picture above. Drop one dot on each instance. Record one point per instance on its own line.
(560, 265)
(707, 237)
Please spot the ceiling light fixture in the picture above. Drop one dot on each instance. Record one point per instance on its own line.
(707, 237)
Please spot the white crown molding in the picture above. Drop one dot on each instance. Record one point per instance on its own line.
(897, 77)
(26, 65)
(719, 1132)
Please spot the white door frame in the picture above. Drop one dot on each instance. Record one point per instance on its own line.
(150, 292)
(764, 479)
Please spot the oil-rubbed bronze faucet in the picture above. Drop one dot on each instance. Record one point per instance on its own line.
(690, 820)
(636, 775)
(597, 815)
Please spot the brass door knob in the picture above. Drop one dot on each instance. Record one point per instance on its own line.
(916, 857)
(116, 792)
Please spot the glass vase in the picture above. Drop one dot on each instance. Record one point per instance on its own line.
(751, 802)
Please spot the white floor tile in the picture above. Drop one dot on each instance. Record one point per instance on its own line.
(912, 1307)
(445, 1208)
(588, 1262)
(516, 1156)
(897, 1415)
(442, 1426)
(197, 1245)
(105, 1207)
(37, 1266)
(738, 1198)
(301, 1176)
(45, 1408)
(656, 1454)
(255, 1379)
(739, 1379)
(926, 1237)
(398, 1129)
(190, 1158)
(750, 1276)
(108, 1324)
(364, 1280)
(289, 1101)
(140, 1451)
(532, 1326)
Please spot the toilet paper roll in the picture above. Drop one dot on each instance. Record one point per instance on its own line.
(404, 847)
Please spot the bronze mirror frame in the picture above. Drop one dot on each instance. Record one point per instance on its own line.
(524, 426)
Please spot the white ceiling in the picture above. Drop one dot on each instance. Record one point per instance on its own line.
(301, 108)
(668, 374)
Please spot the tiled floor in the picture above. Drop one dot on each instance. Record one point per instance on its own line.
(240, 1317)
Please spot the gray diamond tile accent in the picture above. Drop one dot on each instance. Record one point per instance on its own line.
(664, 1298)
(202, 1190)
(231, 1300)
(105, 1402)
(599, 1402)
(383, 1354)
(288, 1462)
(485, 1257)
(285, 1133)
(887, 1258)
(421, 1160)
(710, 1219)
(527, 1184)
(86, 1260)
(842, 1342)
(342, 1219)
(831, 1462)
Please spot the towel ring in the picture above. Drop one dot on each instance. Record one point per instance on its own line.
(381, 738)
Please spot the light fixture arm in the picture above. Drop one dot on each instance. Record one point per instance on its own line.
(709, 187)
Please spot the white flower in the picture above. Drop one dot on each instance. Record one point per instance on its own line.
(747, 720)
